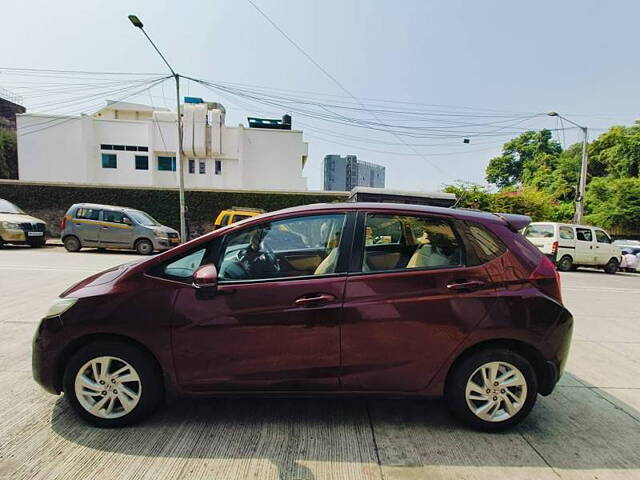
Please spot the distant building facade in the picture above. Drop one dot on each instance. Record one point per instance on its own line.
(131, 144)
(9, 107)
(345, 173)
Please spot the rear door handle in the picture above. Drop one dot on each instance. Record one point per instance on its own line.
(470, 285)
(314, 299)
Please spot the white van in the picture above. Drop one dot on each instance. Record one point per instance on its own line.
(572, 246)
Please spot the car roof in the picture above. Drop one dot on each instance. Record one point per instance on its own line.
(566, 224)
(460, 213)
(111, 207)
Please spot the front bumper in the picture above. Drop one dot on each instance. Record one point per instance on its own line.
(22, 237)
(44, 355)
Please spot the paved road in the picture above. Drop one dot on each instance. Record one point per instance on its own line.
(589, 428)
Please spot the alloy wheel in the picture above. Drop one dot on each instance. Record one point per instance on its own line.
(496, 391)
(108, 387)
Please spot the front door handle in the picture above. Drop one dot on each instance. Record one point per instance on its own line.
(470, 285)
(314, 299)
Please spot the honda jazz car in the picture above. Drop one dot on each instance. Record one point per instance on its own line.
(341, 299)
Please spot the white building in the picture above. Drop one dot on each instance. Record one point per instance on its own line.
(131, 144)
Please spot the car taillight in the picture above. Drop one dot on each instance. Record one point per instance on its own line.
(547, 278)
(63, 223)
(554, 248)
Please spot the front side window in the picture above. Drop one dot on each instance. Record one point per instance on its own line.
(602, 237)
(395, 242)
(143, 218)
(287, 248)
(88, 213)
(539, 231)
(109, 160)
(167, 164)
(566, 233)
(584, 234)
(115, 217)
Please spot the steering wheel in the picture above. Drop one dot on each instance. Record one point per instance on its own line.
(269, 255)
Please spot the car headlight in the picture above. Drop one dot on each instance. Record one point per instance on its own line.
(162, 235)
(11, 225)
(60, 306)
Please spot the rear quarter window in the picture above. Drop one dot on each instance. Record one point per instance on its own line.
(482, 244)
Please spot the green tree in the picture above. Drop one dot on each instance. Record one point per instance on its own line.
(616, 153)
(522, 157)
(8, 154)
(614, 203)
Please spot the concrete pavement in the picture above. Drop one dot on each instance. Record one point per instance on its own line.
(589, 428)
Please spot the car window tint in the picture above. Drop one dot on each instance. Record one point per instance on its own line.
(584, 234)
(485, 244)
(88, 213)
(539, 231)
(286, 248)
(238, 217)
(566, 233)
(602, 237)
(394, 242)
(185, 266)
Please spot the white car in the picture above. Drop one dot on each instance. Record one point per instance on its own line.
(572, 246)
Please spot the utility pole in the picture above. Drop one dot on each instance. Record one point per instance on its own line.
(183, 223)
(582, 183)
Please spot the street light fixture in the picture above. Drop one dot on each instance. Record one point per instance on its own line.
(183, 223)
(582, 185)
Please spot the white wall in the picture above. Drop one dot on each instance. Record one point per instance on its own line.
(68, 149)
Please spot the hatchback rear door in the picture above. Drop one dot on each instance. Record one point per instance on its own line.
(409, 302)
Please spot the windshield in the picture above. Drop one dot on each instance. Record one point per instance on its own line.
(8, 207)
(143, 218)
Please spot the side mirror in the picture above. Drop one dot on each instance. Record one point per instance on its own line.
(206, 278)
(127, 221)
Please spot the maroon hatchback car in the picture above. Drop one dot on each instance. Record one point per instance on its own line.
(343, 299)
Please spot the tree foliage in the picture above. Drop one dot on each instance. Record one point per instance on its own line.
(8, 154)
(534, 174)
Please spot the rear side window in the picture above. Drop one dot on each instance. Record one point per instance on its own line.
(225, 220)
(484, 245)
(539, 231)
(584, 234)
(238, 217)
(566, 233)
(602, 237)
(88, 213)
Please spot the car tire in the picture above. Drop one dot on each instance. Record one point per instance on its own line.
(140, 384)
(611, 267)
(144, 247)
(481, 404)
(72, 244)
(565, 264)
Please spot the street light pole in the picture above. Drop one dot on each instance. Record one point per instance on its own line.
(183, 223)
(582, 185)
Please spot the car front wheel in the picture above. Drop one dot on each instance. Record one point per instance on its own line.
(492, 389)
(112, 384)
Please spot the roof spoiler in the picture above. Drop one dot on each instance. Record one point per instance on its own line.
(515, 222)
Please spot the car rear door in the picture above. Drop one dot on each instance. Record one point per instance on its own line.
(269, 326)
(403, 320)
(85, 222)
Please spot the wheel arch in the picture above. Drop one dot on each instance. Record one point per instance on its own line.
(75, 345)
(528, 351)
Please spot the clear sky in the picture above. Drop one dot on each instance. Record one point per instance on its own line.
(577, 57)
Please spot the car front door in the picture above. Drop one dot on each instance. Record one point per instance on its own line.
(585, 253)
(116, 229)
(411, 304)
(274, 322)
(604, 250)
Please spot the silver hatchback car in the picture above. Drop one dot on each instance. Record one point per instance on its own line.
(107, 226)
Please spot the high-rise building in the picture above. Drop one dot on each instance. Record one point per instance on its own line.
(345, 173)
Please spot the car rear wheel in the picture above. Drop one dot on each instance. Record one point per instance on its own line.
(112, 384)
(611, 266)
(492, 389)
(144, 247)
(565, 264)
(72, 244)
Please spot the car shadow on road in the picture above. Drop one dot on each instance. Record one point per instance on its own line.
(578, 427)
